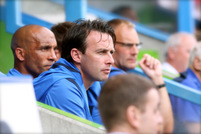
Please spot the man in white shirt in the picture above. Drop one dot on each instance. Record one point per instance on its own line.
(177, 53)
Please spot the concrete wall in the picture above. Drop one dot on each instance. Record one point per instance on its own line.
(153, 44)
(53, 122)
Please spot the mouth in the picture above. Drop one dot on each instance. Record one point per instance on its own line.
(106, 71)
(48, 66)
(132, 60)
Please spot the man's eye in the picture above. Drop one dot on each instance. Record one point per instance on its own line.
(45, 48)
(101, 52)
(128, 45)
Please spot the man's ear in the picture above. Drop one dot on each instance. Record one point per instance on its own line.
(76, 55)
(171, 53)
(197, 64)
(133, 116)
(19, 52)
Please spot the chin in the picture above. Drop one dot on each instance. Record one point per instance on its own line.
(130, 68)
(104, 78)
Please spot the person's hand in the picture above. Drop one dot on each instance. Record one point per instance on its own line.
(152, 68)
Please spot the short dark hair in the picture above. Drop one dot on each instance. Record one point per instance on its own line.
(118, 93)
(76, 36)
(59, 31)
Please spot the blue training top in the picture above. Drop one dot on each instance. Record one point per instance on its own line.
(62, 87)
(14, 72)
(116, 71)
(93, 93)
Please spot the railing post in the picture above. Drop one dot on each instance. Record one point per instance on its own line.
(75, 9)
(13, 15)
(185, 16)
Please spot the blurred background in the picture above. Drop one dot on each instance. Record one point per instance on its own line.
(155, 20)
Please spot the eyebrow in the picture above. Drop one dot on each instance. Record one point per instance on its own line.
(103, 49)
(129, 44)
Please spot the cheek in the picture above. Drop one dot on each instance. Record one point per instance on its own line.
(183, 53)
(122, 53)
(91, 62)
(39, 60)
(42, 56)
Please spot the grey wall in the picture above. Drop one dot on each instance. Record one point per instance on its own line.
(53, 122)
(153, 44)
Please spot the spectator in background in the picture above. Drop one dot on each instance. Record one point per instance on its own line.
(33, 49)
(125, 56)
(59, 31)
(185, 112)
(197, 15)
(198, 30)
(126, 11)
(128, 106)
(177, 54)
(87, 49)
(198, 35)
(126, 47)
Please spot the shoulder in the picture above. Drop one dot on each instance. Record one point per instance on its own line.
(182, 77)
(14, 72)
(116, 71)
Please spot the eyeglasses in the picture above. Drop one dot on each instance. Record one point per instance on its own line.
(138, 45)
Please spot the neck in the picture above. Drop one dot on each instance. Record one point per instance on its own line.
(114, 65)
(173, 65)
(122, 129)
(87, 82)
(21, 68)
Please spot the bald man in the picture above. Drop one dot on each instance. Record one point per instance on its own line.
(33, 49)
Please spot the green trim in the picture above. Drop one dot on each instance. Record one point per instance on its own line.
(72, 116)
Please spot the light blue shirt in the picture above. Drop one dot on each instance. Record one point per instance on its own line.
(62, 87)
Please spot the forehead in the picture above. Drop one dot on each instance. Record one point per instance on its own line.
(44, 37)
(126, 33)
(97, 39)
(188, 41)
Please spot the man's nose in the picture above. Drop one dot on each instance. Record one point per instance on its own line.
(110, 59)
(160, 118)
(134, 49)
(52, 55)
